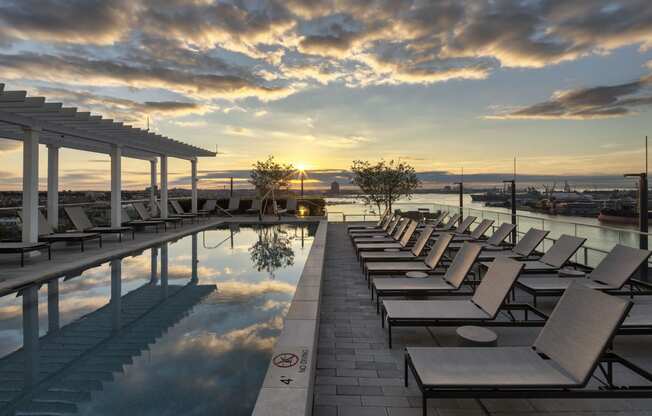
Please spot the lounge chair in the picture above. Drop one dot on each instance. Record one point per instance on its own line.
(209, 207)
(171, 214)
(388, 230)
(494, 242)
(402, 254)
(83, 224)
(145, 216)
(47, 234)
(290, 207)
(523, 249)
(482, 307)
(558, 365)
(450, 224)
(396, 229)
(448, 281)
(22, 248)
(555, 258)
(429, 264)
(477, 233)
(180, 212)
(234, 205)
(462, 228)
(255, 206)
(385, 217)
(127, 220)
(384, 244)
(393, 238)
(610, 275)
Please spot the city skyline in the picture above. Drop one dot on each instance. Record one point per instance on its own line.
(565, 88)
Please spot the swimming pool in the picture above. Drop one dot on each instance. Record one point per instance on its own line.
(184, 328)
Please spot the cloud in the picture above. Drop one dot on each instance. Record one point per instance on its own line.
(589, 103)
(99, 22)
(271, 49)
(123, 109)
(75, 70)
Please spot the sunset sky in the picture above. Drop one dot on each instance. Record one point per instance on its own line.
(565, 86)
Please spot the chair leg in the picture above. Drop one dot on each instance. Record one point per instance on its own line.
(22, 258)
(406, 370)
(424, 404)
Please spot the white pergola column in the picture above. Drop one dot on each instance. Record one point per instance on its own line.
(152, 187)
(30, 185)
(53, 186)
(116, 186)
(193, 179)
(30, 334)
(194, 277)
(53, 305)
(164, 270)
(116, 294)
(164, 186)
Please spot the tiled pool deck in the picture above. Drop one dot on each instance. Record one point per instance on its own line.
(357, 375)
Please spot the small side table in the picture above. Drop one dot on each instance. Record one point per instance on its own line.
(475, 336)
(416, 274)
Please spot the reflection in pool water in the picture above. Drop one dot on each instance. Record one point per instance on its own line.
(185, 328)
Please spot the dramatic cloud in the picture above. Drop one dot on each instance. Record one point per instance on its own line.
(587, 103)
(77, 70)
(270, 49)
(122, 109)
(99, 22)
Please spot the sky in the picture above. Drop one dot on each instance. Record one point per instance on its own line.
(565, 87)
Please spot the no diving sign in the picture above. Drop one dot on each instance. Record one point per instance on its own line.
(290, 367)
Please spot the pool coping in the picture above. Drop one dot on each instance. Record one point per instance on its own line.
(288, 385)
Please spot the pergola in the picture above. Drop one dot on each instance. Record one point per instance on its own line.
(32, 120)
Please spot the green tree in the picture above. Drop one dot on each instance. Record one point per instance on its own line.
(272, 251)
(269, 177)
(384, 183)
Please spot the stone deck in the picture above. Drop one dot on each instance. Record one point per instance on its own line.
(357, 375)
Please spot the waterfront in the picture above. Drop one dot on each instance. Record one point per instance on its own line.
(600, 237)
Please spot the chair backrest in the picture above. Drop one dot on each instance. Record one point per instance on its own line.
(141, 211)
(451, 221)
(234, 203)
(501, 234)
(496, 284)
(209, 205)
(409, 231)
(530, 241)
(43, 224)
(465, 224)
(177, 207)
(462, 264)
(291, 204)
(619, 265)
(125, 215)
(562, 250)
(398, 232)
(579, 328)
(392, 225)
(383, 217)
(438, 249)
(78, 218)
(481, 228)
(418, 246)
(388, 221)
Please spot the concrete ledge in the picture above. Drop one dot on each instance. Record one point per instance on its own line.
(288, 385)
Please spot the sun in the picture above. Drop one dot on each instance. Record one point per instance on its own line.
(301, 167)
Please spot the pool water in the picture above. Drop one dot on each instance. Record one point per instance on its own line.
(186, 328)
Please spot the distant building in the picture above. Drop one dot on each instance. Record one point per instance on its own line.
(335, 187)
